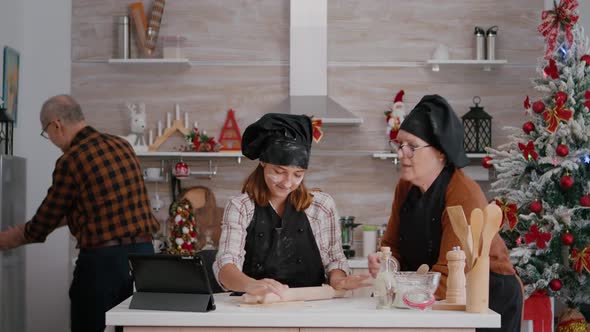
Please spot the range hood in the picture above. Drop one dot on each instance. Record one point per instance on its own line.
(308, 70)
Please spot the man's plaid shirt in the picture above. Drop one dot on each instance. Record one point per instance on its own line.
(98, 186)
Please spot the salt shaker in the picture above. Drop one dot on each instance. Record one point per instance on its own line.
(456, 279)
(479, 43)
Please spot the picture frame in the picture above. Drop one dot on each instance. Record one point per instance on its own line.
(10, 80)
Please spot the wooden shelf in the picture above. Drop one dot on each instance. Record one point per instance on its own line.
(477, 173)
(387, 155)
(159, 61)
(191, 155)
(486, 64)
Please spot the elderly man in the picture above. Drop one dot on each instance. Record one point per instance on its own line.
(98, 191)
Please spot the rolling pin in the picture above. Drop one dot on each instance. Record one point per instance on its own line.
(323, 292)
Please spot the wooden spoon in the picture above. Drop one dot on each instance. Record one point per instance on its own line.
(493, 218)
(461, 229)
(476, 227)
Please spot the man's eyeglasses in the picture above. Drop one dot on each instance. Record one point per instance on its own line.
(407, 149)
(44, 131)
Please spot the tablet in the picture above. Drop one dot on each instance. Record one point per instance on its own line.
(170, 282)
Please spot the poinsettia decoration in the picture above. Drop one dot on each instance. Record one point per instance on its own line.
(200, 142)
(561, 17)
(535, 235)
(587, 97)
(553, 116)
(509, 211)
(581, 259)
(528, 151)
(183, 229)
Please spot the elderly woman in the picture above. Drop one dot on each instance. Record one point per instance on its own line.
(419, 231)
(277, 233)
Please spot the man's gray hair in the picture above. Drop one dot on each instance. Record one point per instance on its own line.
(63, 107)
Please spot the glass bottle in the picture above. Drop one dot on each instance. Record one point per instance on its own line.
(385, 283)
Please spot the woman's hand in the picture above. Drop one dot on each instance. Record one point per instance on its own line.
(374, 264)
(264, 286)
(349, 282)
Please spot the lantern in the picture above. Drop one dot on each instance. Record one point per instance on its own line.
(6, 132)
(477, 126)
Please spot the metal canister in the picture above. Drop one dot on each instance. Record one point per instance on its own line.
(491, 42)
(123, 38)
(479, 43)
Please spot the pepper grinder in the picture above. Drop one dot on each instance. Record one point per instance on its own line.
(456, 279)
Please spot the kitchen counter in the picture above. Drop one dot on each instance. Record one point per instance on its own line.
(327, 315)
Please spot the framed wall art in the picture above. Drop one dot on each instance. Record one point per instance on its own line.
(10, 82)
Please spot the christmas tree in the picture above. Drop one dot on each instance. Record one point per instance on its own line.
(183, 230)
(543, 172)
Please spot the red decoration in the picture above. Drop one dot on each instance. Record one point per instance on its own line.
(555, 285)
(528, 151)
(536, 207)
(585, 200)
(561, 17)
(551, 70)
(230, 137)
(509, 211)
(485, 162)
(566, 182)
(586, 58)
(317, 130)
(560, 97)
(527, 103)
(567, 239)
(181, 170)
(581, 259)
(562, 150)
(527, 127)
(558, 113)
(587, 97)
(535, 235)
(538, 106)
(537, 308)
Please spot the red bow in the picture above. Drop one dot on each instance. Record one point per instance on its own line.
(509, 211)
(534, 235)
(551, 70)
(316, 125)
(558, 113)
(562, 15)
(587, 97)
(528, 151)
(581, 259)
(527, 103)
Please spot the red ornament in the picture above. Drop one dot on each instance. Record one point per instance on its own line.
(567, 239)
(585, 200)
(536, 207)
(566, 182)
(562, 150)
(555, 285)
(527, 127)
(586, 58)
(560, 98)
(181, 170)
(538, 107)
(485, 162)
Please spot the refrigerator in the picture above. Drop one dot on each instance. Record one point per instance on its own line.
(12, 262)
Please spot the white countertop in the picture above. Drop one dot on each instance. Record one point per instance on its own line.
(355, 312)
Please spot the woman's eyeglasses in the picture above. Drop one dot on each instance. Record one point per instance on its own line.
(407, 149)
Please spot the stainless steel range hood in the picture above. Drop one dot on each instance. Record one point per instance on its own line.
(308, 72)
